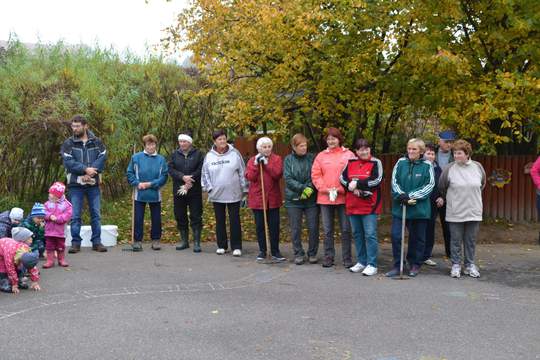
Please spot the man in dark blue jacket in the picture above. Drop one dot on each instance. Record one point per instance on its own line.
(84, 158)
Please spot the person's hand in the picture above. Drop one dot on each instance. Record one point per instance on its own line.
(411, 202)
(15, 289)
(86, 178)
(90, 171)
(352, 185)
(332, 194)
(366, 194)
(144, 185)
(260, 158)
(439, 202)
(404, 199)
(357, 192)
(306, 193)
(188, 179)
(35, 286)
(53, 218)
(188, 186)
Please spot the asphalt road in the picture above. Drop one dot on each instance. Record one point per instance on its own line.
(181, 305)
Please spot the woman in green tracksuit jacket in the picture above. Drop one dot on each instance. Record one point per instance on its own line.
(413, 180)
(301, 199)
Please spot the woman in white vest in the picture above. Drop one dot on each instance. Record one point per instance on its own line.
(224, 180)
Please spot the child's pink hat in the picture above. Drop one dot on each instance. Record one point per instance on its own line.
(57, 189)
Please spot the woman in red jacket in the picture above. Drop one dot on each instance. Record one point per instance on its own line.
(272, 166)
(325, 175)
(362, 179)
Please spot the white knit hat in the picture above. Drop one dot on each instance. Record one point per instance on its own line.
(16, 214)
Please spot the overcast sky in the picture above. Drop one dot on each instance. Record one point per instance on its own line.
(123, 24)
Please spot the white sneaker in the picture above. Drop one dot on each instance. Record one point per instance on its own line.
(220, 251)
(472, 271)
(370, 270)
(430, 262)
(456, 271)
(237, 252)
(357, 268)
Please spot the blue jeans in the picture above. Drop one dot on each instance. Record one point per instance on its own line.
(364, 231)
(417, 240)
(76, 197)
(155, 216)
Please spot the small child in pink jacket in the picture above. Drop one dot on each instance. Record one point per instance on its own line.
(57, 214)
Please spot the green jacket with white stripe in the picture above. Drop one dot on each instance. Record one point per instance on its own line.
(417, 180)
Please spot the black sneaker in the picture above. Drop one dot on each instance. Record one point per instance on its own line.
(328, 262)
(394, 272)
(261, 256)
(415, 269)
(278, 257)
(347, 263)
(137, 246)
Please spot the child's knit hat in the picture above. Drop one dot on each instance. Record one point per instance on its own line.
(37, 210)
(21, 234)
(30, 259)
(57, 189)
(16, 214)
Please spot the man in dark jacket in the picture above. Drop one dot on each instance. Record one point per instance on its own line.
(185, 167)
(443, 157)
(84, 158)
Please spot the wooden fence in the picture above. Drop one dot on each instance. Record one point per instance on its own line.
(515, 201)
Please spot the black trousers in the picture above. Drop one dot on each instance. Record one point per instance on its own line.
(195, 206)
(155, 216)
(445, 230)
(235, 228)
(273, 229)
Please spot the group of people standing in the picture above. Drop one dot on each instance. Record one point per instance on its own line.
(336, 184)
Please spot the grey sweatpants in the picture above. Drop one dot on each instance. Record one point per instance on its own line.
(463, 233)
(295, 223)
(327, 215)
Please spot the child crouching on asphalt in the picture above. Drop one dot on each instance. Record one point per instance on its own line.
(57, 214)
(16, 259)
(36, 224)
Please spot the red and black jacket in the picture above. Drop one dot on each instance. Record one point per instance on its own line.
(369, 175)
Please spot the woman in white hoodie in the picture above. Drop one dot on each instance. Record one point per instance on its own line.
(223, 178)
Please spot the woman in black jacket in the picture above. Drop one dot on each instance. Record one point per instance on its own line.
(185, 169)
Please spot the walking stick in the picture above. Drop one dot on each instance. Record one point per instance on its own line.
(133, 210)
(266, 230)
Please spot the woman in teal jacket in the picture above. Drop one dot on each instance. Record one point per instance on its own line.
(413, 180)
(301, 199)
(147, 173)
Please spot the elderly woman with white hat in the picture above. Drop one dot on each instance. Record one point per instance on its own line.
(185, 167)
(271, 167)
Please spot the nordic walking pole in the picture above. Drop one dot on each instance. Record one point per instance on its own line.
(133, 210)
(266, 230)
(403, 220)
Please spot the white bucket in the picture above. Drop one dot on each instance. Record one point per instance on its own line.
(109, 234)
